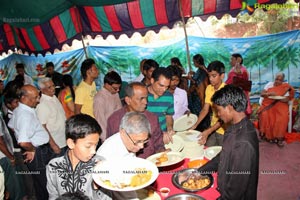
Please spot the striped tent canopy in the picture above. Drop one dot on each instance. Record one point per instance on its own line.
(42, 26)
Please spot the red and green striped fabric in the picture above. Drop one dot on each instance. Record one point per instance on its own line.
(123, 18)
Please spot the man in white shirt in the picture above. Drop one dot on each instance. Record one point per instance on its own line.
(52, 115)
(180, 95)
(133, 134)
(131, 138)
(33, 138)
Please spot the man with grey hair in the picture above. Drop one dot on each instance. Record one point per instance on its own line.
(133, 134)
(51, 115)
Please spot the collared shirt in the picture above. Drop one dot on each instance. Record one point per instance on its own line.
(51, 113)
(27, 126)
(180, 102)
(161, 106)
(155, 144)
(85, 96)
(105, 103)
(209, 92)
(113, 147)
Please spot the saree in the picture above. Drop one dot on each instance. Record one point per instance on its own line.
(244, 75)
(274, 114)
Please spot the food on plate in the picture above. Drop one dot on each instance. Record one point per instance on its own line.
(195, 181)
(162, 158)
(196, 163)
(141, 177)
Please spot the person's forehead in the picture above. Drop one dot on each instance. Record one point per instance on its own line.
(213, 72)
(279, 77)
(139, 89)
(50, 82)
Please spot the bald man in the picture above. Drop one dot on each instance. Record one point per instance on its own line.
(33, 138)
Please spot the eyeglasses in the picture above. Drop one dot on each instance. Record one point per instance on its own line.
(137, 142)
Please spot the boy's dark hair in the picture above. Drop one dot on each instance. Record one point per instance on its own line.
(150, 63)
(161, 71)
(199, 59)
(73, 196)
(9, 98)
(175, 71)
(217, 66)
(12, 87)
(81, 125)
(112, 77)
(237, 55)
(86, 65)
(231, 95)
(49, 64)
(20, 66)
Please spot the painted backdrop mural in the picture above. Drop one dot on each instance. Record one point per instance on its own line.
(264, 56)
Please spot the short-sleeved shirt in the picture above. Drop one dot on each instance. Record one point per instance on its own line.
(161, 106)
(51, 113)
(209, 92)
(27, 126)
(85, 96)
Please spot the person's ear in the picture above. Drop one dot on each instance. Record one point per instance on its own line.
(70, 143)
(222, 76)
(152, 81)
(127, 100)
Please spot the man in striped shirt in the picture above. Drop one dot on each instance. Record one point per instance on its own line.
(161, 101)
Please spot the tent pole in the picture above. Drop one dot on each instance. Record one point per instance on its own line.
(84, 47)
(80, 26)
(186, 37)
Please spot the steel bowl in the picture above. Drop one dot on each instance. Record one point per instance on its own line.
(185, 197)
(183, 175)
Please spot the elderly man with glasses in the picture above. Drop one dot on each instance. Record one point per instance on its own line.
(132, 136)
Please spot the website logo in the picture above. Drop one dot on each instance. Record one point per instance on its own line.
(247, 8)
(251, 8)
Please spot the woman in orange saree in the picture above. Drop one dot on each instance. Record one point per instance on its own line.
(273, 113)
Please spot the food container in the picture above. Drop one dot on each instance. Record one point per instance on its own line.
(164, 191)
(185, 197)
(190, 180)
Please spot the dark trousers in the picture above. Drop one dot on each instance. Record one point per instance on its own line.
(37, 168)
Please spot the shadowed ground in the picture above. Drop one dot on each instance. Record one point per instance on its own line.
(279, 177)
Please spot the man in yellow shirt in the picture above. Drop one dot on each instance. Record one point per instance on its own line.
(86, 90)
(213, 136)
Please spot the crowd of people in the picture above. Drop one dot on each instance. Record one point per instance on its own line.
(55, 132)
